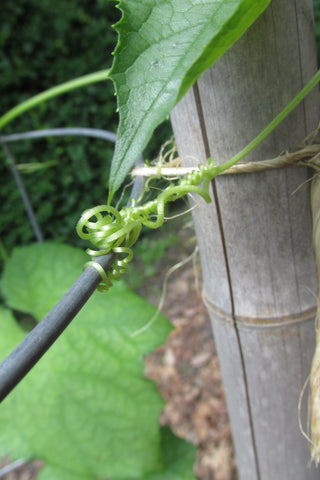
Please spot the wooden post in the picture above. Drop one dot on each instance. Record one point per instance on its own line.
(255, 238)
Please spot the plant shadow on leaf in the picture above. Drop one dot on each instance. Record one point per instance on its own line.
(26, 321)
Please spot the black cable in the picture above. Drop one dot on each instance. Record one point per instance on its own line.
(20, 361)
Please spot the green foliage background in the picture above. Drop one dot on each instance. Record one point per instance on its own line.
(43, 44)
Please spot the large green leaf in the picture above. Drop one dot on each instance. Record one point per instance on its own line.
(164, 46)
(177, 458)
(85, 408)
(34, 279)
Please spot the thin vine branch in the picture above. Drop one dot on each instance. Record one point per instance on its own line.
(51, 93)
(24, 195)
(272, 125)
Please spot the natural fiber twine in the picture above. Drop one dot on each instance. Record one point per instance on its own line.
(308, 156)
(315, 367)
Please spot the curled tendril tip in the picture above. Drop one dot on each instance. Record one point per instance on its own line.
(111, 230)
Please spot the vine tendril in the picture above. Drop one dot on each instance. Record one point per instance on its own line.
(111, 230)
(116, 231)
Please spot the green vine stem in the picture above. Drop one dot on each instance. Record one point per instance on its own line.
(273, 124)
(51, 93)
(110, 230)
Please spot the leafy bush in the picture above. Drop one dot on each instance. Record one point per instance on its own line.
(43, 44)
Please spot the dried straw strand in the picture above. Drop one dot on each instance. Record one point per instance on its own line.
(315, 367)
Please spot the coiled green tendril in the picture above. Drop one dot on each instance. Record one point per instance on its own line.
(116, 231)
(110, 230)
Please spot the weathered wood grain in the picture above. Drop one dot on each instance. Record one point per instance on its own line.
(255, 238)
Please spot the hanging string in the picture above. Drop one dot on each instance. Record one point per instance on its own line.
(315, 367)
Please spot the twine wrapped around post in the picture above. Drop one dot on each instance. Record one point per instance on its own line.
(308, 156)
(315, 367)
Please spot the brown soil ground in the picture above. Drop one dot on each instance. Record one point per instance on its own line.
(186, 368)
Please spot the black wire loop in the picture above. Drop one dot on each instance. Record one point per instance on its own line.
(20, 361)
